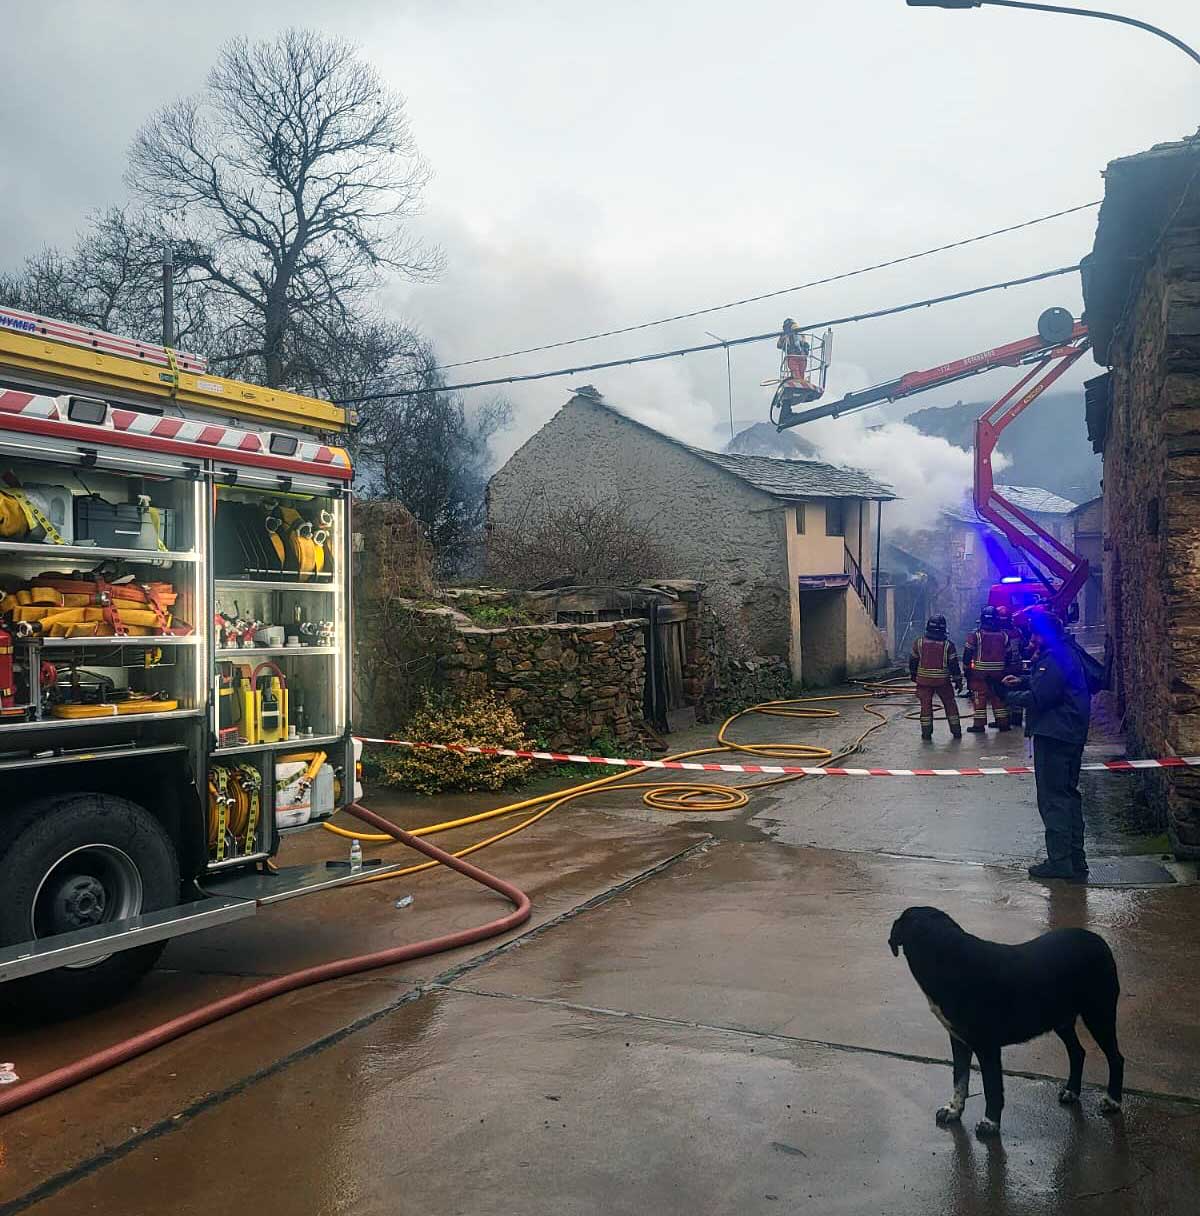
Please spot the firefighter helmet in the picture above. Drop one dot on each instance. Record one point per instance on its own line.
(1003, 615)
(935, 628)
(987, 618)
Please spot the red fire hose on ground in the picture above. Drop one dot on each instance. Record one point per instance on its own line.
(119, 1053)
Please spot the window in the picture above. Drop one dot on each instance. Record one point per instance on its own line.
(835, 517)
(800, 519)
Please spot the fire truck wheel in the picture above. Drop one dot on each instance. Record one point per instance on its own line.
(71, 862)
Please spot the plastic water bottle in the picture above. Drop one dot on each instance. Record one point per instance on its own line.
(355, 856)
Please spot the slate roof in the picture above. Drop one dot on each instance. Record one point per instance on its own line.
(792, 480)
(1033, 499)
(796, 479)
(1142, 194)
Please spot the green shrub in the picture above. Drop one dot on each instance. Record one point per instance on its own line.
(498, 616)
(443, 718)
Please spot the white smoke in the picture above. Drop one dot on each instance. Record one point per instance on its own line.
(929, 474)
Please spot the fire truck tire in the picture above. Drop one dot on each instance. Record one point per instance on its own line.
(70, 861)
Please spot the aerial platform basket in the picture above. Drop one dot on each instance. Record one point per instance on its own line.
(803, 368)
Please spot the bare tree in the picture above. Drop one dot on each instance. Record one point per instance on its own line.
(111, 280)
(579, 543)
(430, 453)
(284, 185)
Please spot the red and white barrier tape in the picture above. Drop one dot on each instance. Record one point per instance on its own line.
(1019, 770)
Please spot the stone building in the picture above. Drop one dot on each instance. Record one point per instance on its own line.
(784, 548)
(1141, 287)
(969, 555)
(1087, 540)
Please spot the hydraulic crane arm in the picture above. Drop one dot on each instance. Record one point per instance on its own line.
(1048, 555)
(1014, 354)
(1058, 344)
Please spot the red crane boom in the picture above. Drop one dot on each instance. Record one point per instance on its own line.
(1059, 343)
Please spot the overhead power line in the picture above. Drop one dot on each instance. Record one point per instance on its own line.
(770, 295)
(692, 350)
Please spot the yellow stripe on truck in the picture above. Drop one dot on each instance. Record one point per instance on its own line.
(87, 369)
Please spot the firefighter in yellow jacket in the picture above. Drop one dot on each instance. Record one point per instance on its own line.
(988, 657)
(933, 665)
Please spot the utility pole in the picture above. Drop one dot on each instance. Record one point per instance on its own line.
(168, 294)
(728, 379)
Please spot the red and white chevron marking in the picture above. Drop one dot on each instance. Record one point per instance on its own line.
(159, 430)
(33, 326)
(1018, 770)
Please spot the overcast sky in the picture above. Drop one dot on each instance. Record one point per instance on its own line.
(603, 164)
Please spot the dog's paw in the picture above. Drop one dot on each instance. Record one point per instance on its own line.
(1067, 1096)
(947, 1114)
(985, 1129)
(1109, 1107)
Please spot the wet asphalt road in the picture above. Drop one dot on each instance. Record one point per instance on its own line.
(702, 1017)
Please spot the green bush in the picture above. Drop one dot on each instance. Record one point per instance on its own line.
(442, 718)
(498, 616)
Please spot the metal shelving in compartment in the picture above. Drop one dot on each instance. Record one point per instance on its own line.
(297, 600)
(99, 720)
(259, 652)
(150, 641)
(86, 502)
(299, 744)
(264, 584)
(40, 550)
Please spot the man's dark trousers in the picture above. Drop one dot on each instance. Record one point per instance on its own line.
(1056, 772)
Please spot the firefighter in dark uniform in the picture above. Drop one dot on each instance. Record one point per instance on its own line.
(1058, 701)
(988, 658)
(1020, 652)
(933, 666)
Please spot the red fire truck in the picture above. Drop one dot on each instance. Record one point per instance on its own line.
(175, 590)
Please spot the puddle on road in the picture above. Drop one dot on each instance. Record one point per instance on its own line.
(1119, 816)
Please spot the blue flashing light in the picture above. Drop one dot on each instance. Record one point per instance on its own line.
(1011, 578)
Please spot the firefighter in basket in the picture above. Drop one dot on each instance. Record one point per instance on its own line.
(794, 385)
(933, 665)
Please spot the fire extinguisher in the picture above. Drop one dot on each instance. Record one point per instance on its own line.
(7, 684)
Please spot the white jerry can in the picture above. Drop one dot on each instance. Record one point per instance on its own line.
(303, 789)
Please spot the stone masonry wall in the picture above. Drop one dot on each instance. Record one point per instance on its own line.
(569, 684)
(1152, 514)
(711, 526)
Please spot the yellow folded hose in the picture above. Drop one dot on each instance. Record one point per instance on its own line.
(673, 796)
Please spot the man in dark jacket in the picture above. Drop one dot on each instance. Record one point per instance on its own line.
(1057, 705)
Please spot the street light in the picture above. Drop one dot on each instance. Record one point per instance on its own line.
(728, 379)
(1058, 8)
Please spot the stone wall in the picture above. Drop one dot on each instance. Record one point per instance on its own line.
(569, 684)
(720, 682)
(392, 555)
(711, 525)
(1152, 521)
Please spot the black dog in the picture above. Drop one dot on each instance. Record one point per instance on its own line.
(988, 995)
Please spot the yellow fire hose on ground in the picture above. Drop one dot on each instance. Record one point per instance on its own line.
(673, 796)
